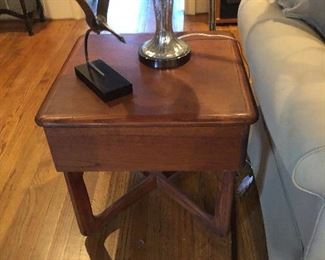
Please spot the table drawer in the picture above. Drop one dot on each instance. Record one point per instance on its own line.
(148, 148)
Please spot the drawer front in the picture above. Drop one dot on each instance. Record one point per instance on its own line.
(148, 148)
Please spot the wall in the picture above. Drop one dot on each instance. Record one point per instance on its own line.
(201, 6)
(62, 9)
(193, 7)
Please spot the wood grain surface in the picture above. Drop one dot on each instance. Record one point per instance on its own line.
(37, 220)
(149, 149)
(212, 88)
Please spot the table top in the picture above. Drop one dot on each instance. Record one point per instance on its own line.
(212, 88)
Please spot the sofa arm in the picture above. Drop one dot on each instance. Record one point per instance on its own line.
(316, 250)
(287, 62)
(313, 182)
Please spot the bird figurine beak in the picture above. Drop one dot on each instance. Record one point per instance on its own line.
(102, 23)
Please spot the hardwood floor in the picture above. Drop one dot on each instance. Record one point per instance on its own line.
(37, 220)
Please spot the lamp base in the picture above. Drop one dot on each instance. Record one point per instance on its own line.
(157, 63)
(164, 51)
(103, 80)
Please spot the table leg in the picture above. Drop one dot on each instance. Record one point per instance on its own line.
(80, 201)
(212, 15)
(87, 221)
(224, 201)
(220, 221)
(182, 199)
(28, 19)
(40, 10)
(234, 245)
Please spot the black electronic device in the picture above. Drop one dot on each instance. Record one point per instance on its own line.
(103, 80)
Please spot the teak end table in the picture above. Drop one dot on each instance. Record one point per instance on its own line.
(195, 117)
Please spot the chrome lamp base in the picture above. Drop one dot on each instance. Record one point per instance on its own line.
(164, 50)
(149, 56)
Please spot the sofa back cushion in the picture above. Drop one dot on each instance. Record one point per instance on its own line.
(310, 11)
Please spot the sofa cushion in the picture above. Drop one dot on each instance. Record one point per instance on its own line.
(310, 11)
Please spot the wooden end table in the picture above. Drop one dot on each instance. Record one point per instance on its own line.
(195, 117)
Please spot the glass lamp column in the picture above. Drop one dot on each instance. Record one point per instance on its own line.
(164, 50)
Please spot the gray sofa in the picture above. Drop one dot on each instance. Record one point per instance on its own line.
(287, 145)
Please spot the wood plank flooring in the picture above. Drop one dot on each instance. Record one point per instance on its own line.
(36, 217)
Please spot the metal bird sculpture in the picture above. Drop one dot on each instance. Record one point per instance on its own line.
(96, 17)
(107, 83)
